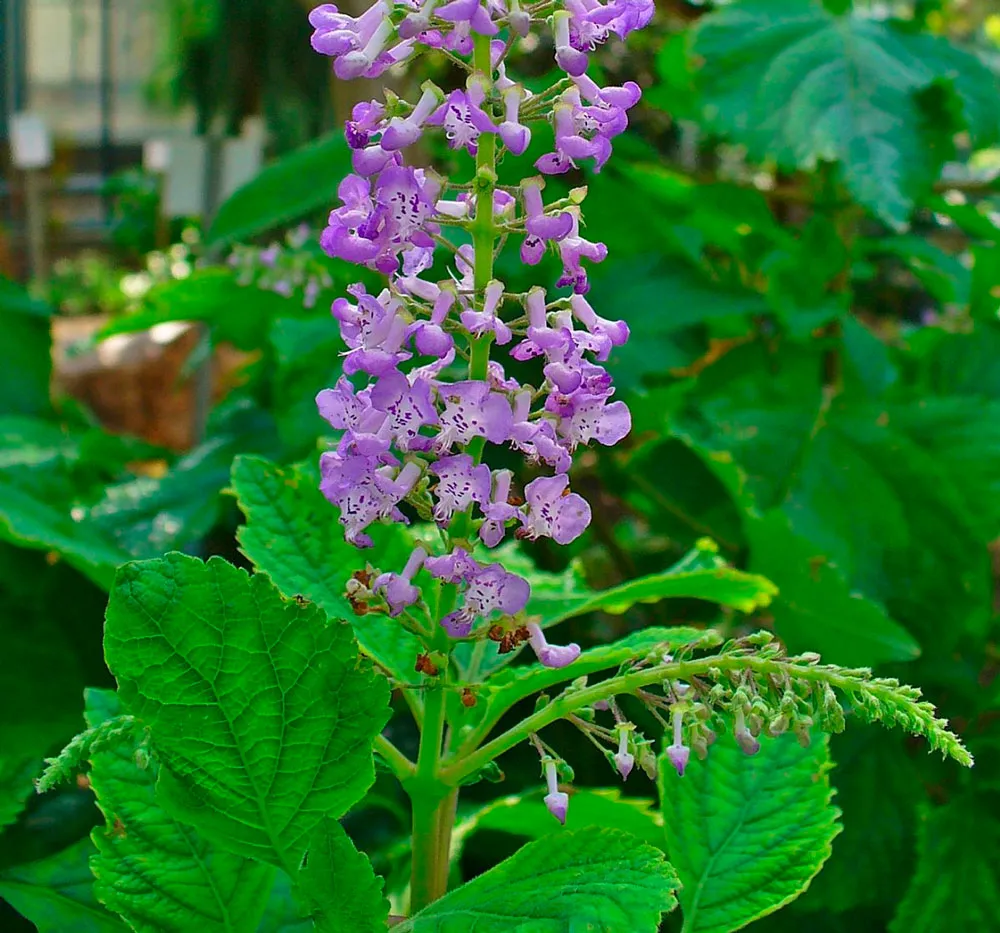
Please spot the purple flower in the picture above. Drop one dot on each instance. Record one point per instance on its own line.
(460, 483)
(405, 131)
(554, 511)
(555, 800)
(574, 248)
(571, 145)
(551, 655)
(585, 417)
(373, 330)
(408, 406)
(399, 592)
(357, 44)
(624, 761)
(463, 117)
(498, 510)
(616, 332)
(571, 60)
(340, 406)
(453, 567)
(471, 410)
(479, 323)
(488, 589)
(366, 119)
(515, 135)
(537, 439)
(472, 12)
(540, 226)
(678, 753)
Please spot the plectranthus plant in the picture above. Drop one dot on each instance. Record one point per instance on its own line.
(249, 717)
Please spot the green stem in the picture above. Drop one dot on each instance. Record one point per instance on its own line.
(569, 703)
(401, 766)
(428, 795)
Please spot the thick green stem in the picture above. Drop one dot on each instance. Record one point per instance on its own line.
(434, 800)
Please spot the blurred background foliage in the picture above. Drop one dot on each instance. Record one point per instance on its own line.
(804, 235)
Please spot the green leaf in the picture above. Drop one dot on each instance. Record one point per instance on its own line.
(56, 893)
(16, 786)
(284, 914)
(237, 314)
(25, 352)
(522, 815)
(598, 879)
(292, 534)
(956, 886)
(817, 609)
(746, 835)
(798, 84)
(260, 713)
(155, 872)
(340, 881)
(289, 189)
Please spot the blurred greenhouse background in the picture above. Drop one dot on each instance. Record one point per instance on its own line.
(804, 235)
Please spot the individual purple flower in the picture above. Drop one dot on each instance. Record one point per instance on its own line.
(572, 250)
(585, 417)
(463, 117)
(536, 438)
(744, 738)
(480, 323)
(678, 753)
(553, 511)
(373, 330)
(364, 491)
(571, 145)
(408, 406)
(539, 226)
(472, 12)
(554, 656)
(490, 589)
(405, 131)
(366, 118)
(515, 135)
(556, 801)
(498, 511)
(399, 592)
(460, 483)
(624, 97)
(452, 568)
(631, 15)
(358, 45)
(624, 760)
(340, 406)
(616, 332)
(471, 410)
(571, 60)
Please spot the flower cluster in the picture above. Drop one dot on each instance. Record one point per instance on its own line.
(420, 397)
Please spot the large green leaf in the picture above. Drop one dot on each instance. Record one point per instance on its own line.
(746, 835)
(261, 715)
(56, 893)
(292, 534)
(956, 886)
(289, 189)
(801, 85)
(155, 872)
(595, 878)
(342, 885)
(817, 609)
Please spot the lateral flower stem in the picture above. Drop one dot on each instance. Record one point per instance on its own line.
(401, 766)
(568, 703)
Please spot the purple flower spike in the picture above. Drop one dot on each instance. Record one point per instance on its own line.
(678, 753)
(460, 483)
(624, 761)
(554, 656)
(555, 800)
(554, 511)
(398, 590)
(746, 741)
(463, 117)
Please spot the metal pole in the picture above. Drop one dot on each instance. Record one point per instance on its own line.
(107, 98)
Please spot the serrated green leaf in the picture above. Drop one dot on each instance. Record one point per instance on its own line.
(340, 882)
(155, 872)
(288, 189)
(590, 879)
(56, 893)
(292, 534)
(746, 835)
(800, 84)
(260, 713)
(284, 914)
(956, 886)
